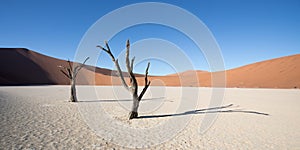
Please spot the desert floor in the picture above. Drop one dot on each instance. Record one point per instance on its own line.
(40, 117)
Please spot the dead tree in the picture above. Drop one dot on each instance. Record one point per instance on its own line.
(133, 88)
(71, 73)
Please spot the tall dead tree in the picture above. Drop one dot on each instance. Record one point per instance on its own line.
(71, 73)
(133, 88)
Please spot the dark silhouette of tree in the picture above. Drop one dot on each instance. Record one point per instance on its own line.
(133, 88)
(71, 73)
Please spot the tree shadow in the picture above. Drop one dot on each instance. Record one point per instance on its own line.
(207, 110)
(124, 100)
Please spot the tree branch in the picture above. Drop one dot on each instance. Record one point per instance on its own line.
(78, 68)
(147, 83)
(146, 74)
(108, 51)
(65, 74)
(127, 58)
(70, 73)
(70, 69)
(131, 65)
(134, 86)
(85, 60)
(70, 66)
(121, 75)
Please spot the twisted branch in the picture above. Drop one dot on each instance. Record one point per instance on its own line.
(147, 83)
(108, 51)
(134, 85)
(69, 72)
(77, 68)
(129, 65)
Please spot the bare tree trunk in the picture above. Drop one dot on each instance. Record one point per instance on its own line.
(134, 85)
(73, 97)
(71, 73)
(135, 106)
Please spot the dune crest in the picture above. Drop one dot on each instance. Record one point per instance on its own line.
(20, 66)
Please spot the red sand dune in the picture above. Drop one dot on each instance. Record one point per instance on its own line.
(281, 72)
(24, 67)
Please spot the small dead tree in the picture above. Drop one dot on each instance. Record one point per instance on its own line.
(133, 88)
(71, 73)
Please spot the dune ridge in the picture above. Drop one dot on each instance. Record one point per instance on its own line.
(20, 66)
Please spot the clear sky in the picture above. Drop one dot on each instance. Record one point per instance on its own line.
(247, 31)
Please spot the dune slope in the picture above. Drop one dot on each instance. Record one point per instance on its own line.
(21, 66)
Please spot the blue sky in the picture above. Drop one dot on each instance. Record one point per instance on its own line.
(247, 31)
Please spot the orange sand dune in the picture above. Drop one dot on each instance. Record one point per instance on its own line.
(21, 66)
(281, 72)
